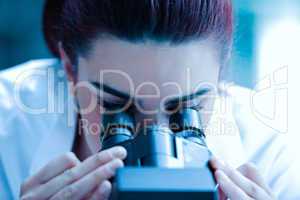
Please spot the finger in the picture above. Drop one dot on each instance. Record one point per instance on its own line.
(102, 192)
(72, 175)
(250, 171)
(247, 185)
(84, 186)
(51, 170)
(222, 195)
(231, 190)
(216, 164)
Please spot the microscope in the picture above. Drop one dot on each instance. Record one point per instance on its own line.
(162, 163)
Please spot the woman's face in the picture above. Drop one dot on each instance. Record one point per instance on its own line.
(151, 74)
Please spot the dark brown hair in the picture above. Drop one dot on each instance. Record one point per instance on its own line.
(76, 23)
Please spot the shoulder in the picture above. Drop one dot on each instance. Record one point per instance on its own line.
(254, 115)
(22, 81)
(13, 72)
(262, 122)
(259, 131)
(23, 89)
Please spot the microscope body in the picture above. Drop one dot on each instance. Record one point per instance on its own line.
(162, 163)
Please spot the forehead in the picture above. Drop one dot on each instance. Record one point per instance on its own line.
(151, 65)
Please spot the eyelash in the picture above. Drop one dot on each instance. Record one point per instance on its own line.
(198, 106)
(115, 105)
(111, 105)
(177, 106)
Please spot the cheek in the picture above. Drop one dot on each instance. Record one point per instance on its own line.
(91, 127)
(86, 99)
(90, 118)
(207, 111)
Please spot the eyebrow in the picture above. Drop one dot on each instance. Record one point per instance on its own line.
(177, 100)
(170, 102)
(112, 91)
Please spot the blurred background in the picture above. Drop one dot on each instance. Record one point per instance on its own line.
(264, 29)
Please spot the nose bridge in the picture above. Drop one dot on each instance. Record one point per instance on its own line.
(159, 118)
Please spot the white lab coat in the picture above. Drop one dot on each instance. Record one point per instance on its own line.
(31, 138)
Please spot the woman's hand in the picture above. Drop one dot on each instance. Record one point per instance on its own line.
(244, 183)
(68, 178)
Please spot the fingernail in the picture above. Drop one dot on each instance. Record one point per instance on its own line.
(116, 163)
(219, 164)
(120, 152)
(105, 189)
(230, 167)
(220, 176)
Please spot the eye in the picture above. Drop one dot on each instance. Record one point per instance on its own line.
(110, 104)
(195, 104)
(173, 108)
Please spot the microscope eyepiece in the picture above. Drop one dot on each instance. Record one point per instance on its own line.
(116, 128)
(187, 123)
(157, 154)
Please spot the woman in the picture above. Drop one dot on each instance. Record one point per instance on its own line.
(147, 50)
